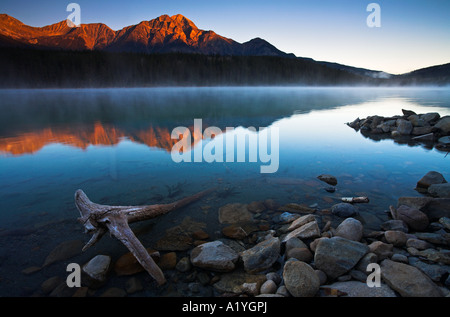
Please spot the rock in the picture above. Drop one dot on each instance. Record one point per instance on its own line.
(274, 277)
(365, 261)
(322, 276)
(397, 225)
(397, 257)
(234, 213)
(359, 289)
(294, 243)
(282, 290)
(168, 261)
(234, 282)
(297, 208)
(127, 264)
(408, 113)
(133, 285)
(429, 179)
(416, 202)
(433, 237)
(407, 280)
(184, 265)
(250, 289)
(313, 245)
(396, 238)
(329, 179)
(330, 189)
(344, 210)
(301, 221)
(416, 121)
(404, 127)
(443, 125)
(444, 140)
(440, 190)
(351, 229)
(262, 256)
(97, 270)
(285, 217)
(256, 207)
(64, 251)
(300, 279)
(336, 256)
(268, 287)
(62, 290)
(434, 271)
(301, 254)
(437, 208)
(214, 256)
(271, 204)
(442, 256)
(430, 117)
(50, 284)
(175, 239)
(234, 232)
(413, 217)
(417, 244)
(381, 249)
(308, 230)
(445, 221)
(200, 235)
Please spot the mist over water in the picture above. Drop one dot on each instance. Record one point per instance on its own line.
(115, 145)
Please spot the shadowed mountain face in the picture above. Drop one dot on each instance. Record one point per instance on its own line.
(164, 34)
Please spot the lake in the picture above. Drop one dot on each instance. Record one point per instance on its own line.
(115, 145)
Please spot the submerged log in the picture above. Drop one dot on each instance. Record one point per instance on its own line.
(355, 200)
(98, 219)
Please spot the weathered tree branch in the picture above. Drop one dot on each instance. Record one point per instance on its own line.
(99, 219)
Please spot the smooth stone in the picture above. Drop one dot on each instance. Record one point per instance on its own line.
(434, 237)
(282, 290)
(365, 261)
(397, 225)
(433, 271)
(381, 249)
(336, 256)
(443, 125)
(430, 178)
(301, 254)
(360, 289)
(307, 231)
(344, 210)
(351, 229)
(430, 116)
(268, 287)
(404, 127)
(396, 238)
(174, 239)
(418, 244)
(97, 269)
(262, 256)
(300, 279)
(397, 257)
(214, 256)
(184, 265)
(274, 277)
(127, 264)
(322, 276)
(294, 243)
(301, 221)
(413, 217)
(233, 282)
(437, 208)
(234, 232)
(168, 261)
(408, 280)
(440, 190)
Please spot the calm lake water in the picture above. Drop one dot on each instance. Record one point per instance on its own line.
(115, 145)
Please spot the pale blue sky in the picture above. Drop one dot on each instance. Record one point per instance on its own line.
(413, 33)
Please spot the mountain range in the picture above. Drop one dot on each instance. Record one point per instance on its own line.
(179, 35)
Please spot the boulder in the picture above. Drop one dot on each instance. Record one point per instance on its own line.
(344, 210)
(381, 249)
(308, 230)
(404, 127)
(396, 238)
(413, 217)
(430, 117)
(351, 229)
(443, 125)
(336, 256)
(300, 279)
(262, 256)
(329, 179)
(429, 179)
(408, 280)
(214, 256)
(301, 221)
(96, 270)
(397, 225)
(440, 190)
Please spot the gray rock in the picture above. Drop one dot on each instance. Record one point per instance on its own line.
(214, 256)
(408, 280)
(351, 229)
(397, 257)
(440, 190)
(429, 179)
(381, 249)
(434, 237)
(444, 140)
(413, 217)
(262, 256)
(300, 279)
(437, 208)
(234, 282)
(434, 271)
(308, 230)
(396, 238)
(397, 225)
(445, 222)
(183, 265)
(360, 289)
(301, 221)
(404, 127)
(344, 210)
(322, 276)
(301, 254)
(430, 117)
(418, 244)
(443, 125)
(294, 243)
(282, 290)
(274, 277)
(234, 213)
(97, 269)
(268, 287)
(336, 256)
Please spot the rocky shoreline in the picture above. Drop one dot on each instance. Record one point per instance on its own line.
(289, 251)
(428, 129)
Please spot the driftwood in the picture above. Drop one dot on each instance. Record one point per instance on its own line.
(355, 200)
(99, 219)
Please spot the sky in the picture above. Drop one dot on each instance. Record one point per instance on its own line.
(413, 33)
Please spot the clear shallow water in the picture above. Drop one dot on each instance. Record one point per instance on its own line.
(115, 145)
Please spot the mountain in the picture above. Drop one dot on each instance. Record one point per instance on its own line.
(164, 34)
(439, 74)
